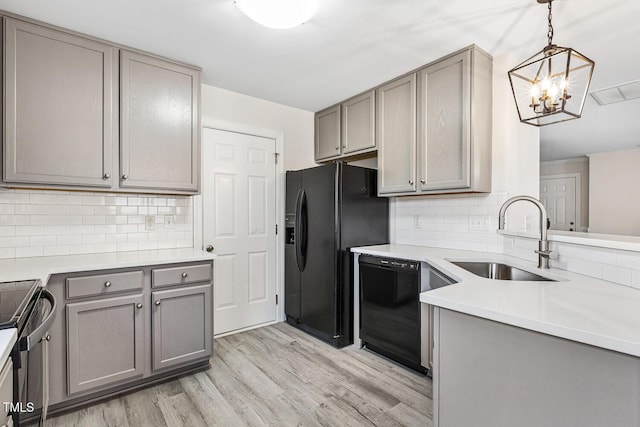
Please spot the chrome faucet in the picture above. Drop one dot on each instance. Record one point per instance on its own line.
(543, 245)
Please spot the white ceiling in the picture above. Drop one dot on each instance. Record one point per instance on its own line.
(352, 45)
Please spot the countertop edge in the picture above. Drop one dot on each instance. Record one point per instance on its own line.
(44, 267)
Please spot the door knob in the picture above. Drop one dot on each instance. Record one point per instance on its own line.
(138, 305)
(125, 176)
(209, 248)
(157, 302)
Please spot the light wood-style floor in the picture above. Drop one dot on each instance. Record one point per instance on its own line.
(275, 376)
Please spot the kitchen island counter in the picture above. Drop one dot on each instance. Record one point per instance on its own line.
(574, 307)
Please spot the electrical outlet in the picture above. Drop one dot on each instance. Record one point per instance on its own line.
(479, 223)
(149, 223)
(416, 222)
(169, 221)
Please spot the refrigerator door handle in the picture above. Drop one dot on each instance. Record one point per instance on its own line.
(301, 229)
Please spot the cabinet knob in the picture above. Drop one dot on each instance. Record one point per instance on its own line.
(209, 248)
(157, 302)
(46, 338)
(107, 284)
(125, 176)
(106, 176)
(422, 181)
(139, 305)
(410, 182)
(184, 275)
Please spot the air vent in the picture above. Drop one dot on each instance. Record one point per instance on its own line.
(618, 93)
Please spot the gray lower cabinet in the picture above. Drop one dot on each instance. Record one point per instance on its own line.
(488, 373)
(105, 342)
(159, 126)
(60, 107)
(122, 328)
(182, 326)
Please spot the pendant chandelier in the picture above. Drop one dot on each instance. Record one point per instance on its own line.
(278, 14)
(551, 86)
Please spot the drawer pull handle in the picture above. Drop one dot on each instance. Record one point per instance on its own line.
(139, 305)
(107, 284)
(157, 302)
(184, 275)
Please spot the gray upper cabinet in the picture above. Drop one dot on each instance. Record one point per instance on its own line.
(358, 124)
(396, 135)
(182, 325)
(159, 125)
(105, 342)
(60, 107)
(454, 123)
(346, 130)
(327, 133)
(83, 113)
(448, 148)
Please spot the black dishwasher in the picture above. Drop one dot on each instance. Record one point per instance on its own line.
(390, 308)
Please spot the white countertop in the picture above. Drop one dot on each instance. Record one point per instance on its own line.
(576, 307)
(8, 338)
(42, 267)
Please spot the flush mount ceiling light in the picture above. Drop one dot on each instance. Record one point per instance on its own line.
(278, 14)
(552, 85)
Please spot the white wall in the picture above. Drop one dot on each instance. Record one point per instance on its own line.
(223, 106)
(470, 221)
(614, 193)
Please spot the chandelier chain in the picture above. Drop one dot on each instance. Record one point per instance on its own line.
(550, 30)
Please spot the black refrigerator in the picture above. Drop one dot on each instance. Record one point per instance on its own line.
(329, 209)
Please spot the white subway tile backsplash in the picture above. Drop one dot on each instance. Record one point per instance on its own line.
(8, 230)
(616, 274)
(445, 221)
(47, 223)
(29, 251)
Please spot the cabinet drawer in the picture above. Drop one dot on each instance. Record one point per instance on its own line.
(103, 284)
(181, 275)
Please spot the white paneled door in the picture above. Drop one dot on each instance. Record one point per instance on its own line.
(558, 195)
(239, 221)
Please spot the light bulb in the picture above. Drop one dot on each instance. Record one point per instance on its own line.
(278, 14)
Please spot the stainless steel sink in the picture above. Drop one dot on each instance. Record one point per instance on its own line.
(499, 271)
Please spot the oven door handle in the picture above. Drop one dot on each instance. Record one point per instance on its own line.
(31, 340)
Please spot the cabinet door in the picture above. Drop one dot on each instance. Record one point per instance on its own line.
(60, 107)
(159, 125)
(105, 342)
(327, 137)
(358, 123)
(182, 325)
(396, 135)
(444, 124)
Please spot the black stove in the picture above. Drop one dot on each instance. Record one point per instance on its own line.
(14, 302)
